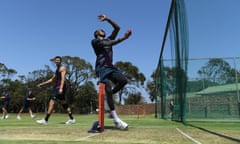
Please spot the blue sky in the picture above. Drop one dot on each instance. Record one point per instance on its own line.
(34, 31)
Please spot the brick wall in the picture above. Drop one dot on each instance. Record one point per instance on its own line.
(140, 109)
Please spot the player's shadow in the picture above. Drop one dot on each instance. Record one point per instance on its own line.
(217, 134)
(110, 127)
(97, 129)
(63, 123)
(113, 128)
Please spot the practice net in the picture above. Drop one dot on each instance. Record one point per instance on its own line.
(201, 88)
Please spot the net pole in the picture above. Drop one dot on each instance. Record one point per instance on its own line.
(167, 26)
(162, 49)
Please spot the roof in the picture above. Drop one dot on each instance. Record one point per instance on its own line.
(219, 89)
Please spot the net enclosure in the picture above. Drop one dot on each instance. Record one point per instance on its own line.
(200, 88)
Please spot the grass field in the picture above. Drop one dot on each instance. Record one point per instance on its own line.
(142, 130)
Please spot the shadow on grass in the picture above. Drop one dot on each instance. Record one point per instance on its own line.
(97, 129)
(218, 134)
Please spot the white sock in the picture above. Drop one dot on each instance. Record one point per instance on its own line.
(115, 116)
(106, 106)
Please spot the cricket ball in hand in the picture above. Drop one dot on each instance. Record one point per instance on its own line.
(129, 31)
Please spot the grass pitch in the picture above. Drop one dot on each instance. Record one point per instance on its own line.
(142, 130)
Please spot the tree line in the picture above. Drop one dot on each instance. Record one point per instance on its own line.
(81, 81)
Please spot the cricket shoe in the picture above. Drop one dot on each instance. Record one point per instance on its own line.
(70, 121)
(42, 122)
(121, 125)
(33, 116)
(18, 117)
(4, 117)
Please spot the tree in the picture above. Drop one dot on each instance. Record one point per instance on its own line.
(170, 79)
(42, 94)
(78, 72)
(6, 74)
(218, 71)
(136, 78)
(87, 99)
(150, 88)
(134, 99)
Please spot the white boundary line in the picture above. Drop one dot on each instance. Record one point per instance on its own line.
(91, 135)
(26, 139)
(192, 139)
(86, 137)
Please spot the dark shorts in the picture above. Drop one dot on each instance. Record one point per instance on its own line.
(103, 72)
(27, 104)
(57, 96)
(171, 108)
(5, 104)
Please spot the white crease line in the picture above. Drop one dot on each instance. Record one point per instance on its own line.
(197, 142)
(83, 138)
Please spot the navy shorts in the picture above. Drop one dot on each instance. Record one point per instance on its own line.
(27, 104)
(57, 96)
(103, 72)
(5, 104)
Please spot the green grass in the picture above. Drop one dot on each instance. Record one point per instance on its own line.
(142, 130)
